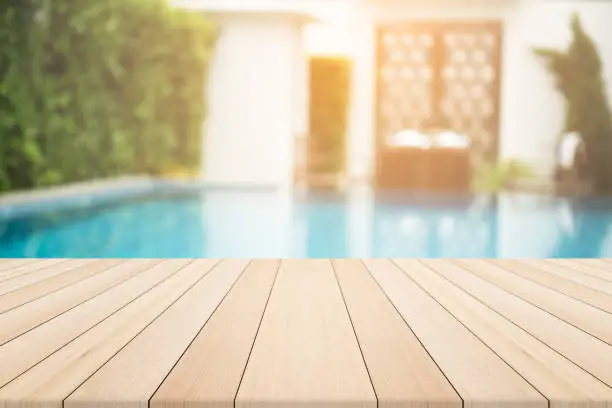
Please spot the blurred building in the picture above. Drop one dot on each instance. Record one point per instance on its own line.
(468, 60)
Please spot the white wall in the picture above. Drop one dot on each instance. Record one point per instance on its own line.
(255, 88)
(531, 110)
(361, 143)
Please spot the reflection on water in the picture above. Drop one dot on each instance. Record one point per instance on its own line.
(263, 224)
(433, 233)
(326, 228)
(147, 229)
(585, 235)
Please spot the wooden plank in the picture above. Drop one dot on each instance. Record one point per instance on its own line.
(306, 351)
(562, 382)
(590, 353)
(17, 321)
(602, 264)
(576, 275)
(210, 370)
(480, 377)
(132, 376)
(30, 348)
(28, 267)
(6, 265)
(48, 383)
(16, 282)
(584, 316)
(570, 286)
(573, 266)
(401, 370)
(28, 293)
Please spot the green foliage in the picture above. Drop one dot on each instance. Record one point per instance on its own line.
(93, 89)
(578, 77)
(493, 178)
(329, 98)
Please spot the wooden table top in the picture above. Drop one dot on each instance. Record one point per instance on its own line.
(297, 333)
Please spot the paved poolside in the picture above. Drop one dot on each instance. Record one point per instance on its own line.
(220, 333)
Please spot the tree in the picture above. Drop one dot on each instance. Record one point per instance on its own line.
(578, 77)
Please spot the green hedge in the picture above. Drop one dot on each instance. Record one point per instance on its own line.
(329, 99)
(92, 88)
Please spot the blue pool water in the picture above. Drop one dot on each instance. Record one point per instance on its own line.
(266, 224)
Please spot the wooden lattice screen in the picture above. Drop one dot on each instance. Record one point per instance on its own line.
(440, 72)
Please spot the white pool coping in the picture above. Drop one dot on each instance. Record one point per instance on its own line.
(104, 191)
(81, 195)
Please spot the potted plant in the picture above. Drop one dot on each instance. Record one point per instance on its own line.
(493, 178)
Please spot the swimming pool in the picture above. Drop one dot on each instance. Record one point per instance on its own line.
(261, 224)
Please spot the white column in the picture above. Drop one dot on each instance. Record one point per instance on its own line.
(361, 123)
(249, 135)
(360, 222)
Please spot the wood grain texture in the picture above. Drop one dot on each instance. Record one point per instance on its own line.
(30, 315)
(212, 367)
(52, 380)
(561, 381)
(35, 290)
(132, 376)
(601, 264)
(588, 352)
(30, 348)
(559, 282)
(9, 265)
(16, 282)
(480, 377)
(402, 372)
(582, 315)
(182, 333)
(306, 353)
(583, 268)
(24, 268)
(594, 281)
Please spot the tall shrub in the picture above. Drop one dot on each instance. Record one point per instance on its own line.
(100, 88)
(19, 152)
(578, 77)
(329, 98)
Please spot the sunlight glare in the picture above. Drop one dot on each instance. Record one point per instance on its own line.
(331, 35)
